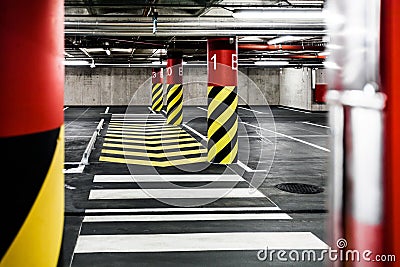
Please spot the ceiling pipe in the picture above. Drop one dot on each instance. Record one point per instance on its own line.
(134, 21)
(265, 47)
(197, 24)
(187, 32)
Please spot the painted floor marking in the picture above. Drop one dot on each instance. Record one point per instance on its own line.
(290, 137)
(146, 121)
(146, 162)
(198, 242)
(145, 131)
(252, 110)
(183, 210)
(302, 111)
(152, 111)
(128, 133)
(315, 124)
(149, 148)
(161, 143)
(167, 178)
(188, 193)
(156, 154)
(144, 115)
(187, 217)
(147, 137)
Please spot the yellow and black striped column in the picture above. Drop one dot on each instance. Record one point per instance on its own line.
(222, 118)
(31, 132)
(174, 88)
(157, 89)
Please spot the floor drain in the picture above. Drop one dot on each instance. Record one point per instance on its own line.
(298, 188)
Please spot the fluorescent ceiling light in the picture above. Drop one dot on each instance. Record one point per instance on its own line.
(158, 63)
(124, 50)
(280, 13)
(285, 39)
(331, 65)
(251, 38)
(91, 50)
(75, 62)
(324, 53)
(271, 63)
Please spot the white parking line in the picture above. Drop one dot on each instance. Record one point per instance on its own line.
(290, 137)
(188, 193)
(314, 124)
(187, 217)
(252, 110)
(194, 131)
(107, 109)
(302, 111)
(228, 241)
(65, 108)
(106, 178)
(186, 210)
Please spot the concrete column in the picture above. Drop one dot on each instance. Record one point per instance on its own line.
(174, 73)
(222, 118)
(31, 132)
(157, 89)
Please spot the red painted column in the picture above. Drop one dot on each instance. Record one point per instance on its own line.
(356, 106)
(390, 75)
(157, 89)
(222, 119)
(31, 131)
(174, 73)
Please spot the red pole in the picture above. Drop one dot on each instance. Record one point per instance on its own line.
(390, 70)
(222, 118)
(31, 133)
(174, 73)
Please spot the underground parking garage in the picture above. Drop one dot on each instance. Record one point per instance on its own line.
(200, 133)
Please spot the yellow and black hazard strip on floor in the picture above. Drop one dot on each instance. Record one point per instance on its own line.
(157, 96)
(150, 144)
(174, 104)
(222, 121)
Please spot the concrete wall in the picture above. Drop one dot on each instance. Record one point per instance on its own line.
(320, 76)
(105, 86)
(121, 86)
(295, 88)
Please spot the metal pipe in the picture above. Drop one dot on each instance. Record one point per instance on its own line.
(180, 32)
(281, 17)
(205, 24)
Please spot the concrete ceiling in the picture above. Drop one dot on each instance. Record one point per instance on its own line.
(124, 32)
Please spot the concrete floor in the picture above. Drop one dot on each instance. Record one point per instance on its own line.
(109, 221)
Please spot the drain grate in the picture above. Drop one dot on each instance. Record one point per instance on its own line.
(298, 188)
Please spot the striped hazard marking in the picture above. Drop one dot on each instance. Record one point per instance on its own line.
(222, 120)
(151, 144)
(121, 234)
(157, 96)
(174, 104)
